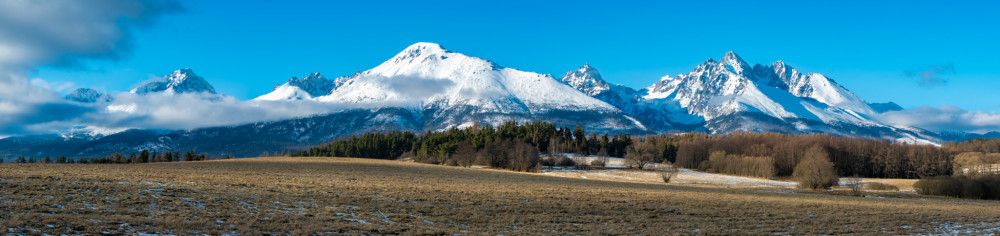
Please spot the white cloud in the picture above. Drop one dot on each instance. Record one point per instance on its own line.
(60, 33)
(944, 118)
(189, 111)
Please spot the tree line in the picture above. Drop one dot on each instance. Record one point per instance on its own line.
(144, 156)
(510, 145)
(741, 153)
(863, 157)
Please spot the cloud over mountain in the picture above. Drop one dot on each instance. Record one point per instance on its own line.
(944, 118)
(61, 33)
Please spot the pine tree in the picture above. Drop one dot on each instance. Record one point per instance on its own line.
(188, 156)
(144, 156)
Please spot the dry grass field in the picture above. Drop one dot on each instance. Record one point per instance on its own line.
(360, 196)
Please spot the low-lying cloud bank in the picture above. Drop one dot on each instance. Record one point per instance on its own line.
(181, 111)
(944, 119)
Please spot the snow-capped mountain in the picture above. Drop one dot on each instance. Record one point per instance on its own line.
(719, 88)
(654, 115)
(451, 89)
(730, 95)
(313, 85)
(426, 87)
(180, 81)
(588, 80)
(87, 95)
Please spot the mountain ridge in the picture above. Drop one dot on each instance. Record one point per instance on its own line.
(426, 87)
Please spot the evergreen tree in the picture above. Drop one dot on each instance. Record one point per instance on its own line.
(143, 156)
(189, 156)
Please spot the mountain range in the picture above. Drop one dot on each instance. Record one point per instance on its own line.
(426, 87)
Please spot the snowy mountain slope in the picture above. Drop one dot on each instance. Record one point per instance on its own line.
(718, 88)
(426, 73)
(285, 92)
(811, 85)
(87, 95)
(655, 115)
(313, 85)
(451, 89)
(180, 81)
(733, 96)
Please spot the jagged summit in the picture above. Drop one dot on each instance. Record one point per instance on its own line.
(716, 89)
(180, 81)
(420, 50)
(87, 95)
(731, 56)
(313, 85)
(586, 79)
(735, 62)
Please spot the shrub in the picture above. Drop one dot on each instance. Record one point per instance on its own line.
(815, 171)
(856, 185)
(598, 163)
(640, 154)
(564, 161)
(510, 154)
(668, 173)
(546, 161)
(939, 186)
(981, 187)
(881, 187)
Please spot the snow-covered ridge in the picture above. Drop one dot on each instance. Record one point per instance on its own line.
(427, 75)
(586, 79)
(731, 85)
(87, 95)
(313, 85)
(180, 81)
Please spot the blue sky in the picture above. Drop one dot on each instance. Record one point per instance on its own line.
(245, 47)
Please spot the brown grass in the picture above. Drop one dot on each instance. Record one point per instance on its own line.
(360, 196)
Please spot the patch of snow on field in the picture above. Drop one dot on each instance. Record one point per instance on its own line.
(955, 228)
(685, 176)
(698, 177)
